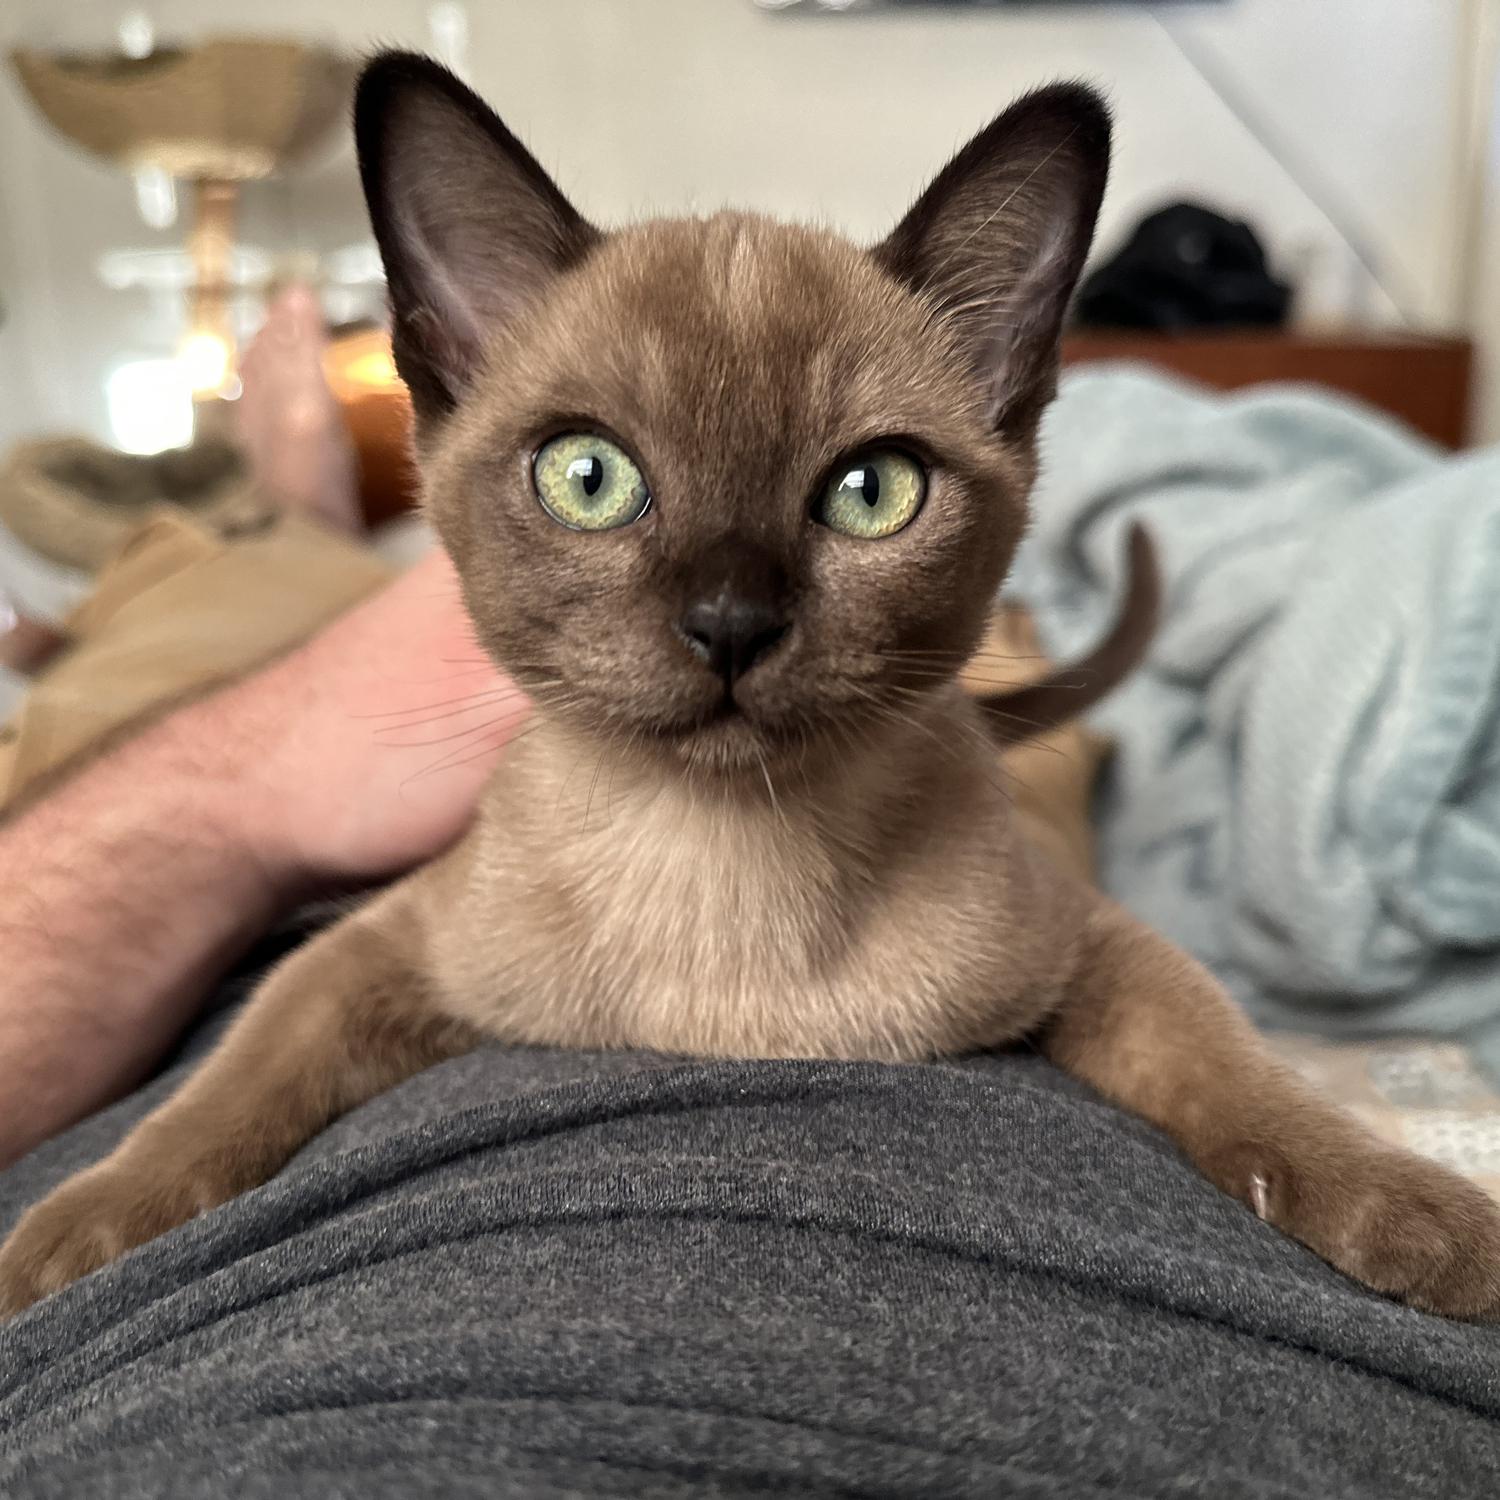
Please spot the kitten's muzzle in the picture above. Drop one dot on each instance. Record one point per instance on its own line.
(730, 633)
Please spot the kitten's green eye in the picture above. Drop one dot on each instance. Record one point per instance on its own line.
(589, 483)
(872, 494)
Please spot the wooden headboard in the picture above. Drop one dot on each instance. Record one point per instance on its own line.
(1425, 381)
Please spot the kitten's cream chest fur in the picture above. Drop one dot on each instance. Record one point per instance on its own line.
(884, 909)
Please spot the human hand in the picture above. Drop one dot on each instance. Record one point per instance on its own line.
(364, 751)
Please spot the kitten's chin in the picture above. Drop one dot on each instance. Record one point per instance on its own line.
(727, 740)
(724, 737)
(730, 743)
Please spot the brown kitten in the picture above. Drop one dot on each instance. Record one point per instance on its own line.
(732, 500)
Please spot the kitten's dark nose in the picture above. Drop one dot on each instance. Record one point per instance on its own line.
(731, 633)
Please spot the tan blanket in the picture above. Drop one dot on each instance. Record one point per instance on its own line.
(178, 610)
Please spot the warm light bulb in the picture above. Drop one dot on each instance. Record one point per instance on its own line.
(205, 357)
(376, 368)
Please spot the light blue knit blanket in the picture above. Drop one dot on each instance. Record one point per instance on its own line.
(1307, 790)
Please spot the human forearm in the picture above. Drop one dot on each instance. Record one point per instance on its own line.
(123, 895)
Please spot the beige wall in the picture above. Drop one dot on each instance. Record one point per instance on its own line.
(686, 104)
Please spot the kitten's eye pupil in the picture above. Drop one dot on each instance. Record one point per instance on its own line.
(589, 472)
(864, 482)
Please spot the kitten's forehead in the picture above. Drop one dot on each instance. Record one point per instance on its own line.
(742, 331)
(751, 294)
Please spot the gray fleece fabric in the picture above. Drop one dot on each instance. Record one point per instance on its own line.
(555, 1275)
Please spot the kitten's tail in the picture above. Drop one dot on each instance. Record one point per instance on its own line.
(1069, 691)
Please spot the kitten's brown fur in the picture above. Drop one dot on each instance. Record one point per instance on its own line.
(828, 867)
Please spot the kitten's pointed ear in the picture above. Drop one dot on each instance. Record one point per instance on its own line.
(999, 238)
(469, 226)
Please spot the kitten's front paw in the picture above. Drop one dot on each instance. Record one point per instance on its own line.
(93, 1219)
(1400, 1224)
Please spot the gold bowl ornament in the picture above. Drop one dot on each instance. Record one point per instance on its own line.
(228, 109)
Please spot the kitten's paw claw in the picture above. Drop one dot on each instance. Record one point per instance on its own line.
(1260, 1194)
